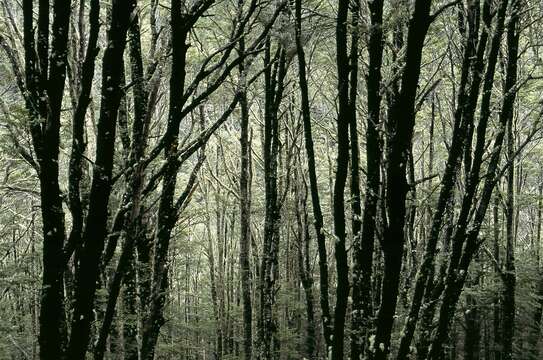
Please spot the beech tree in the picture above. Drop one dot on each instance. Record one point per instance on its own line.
(280, 180)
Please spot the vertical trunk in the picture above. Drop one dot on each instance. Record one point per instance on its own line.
(78, 129)
(129, 222)
(538, 314)
(473, 329)
(143, 269)
(363, 253)
(213, 286)
(274, 92)
(496, 320)
(342, 266)
(245, 218)
(304, 266)
(513, 30)
(45, 80)
(130, 311)
(315, 199)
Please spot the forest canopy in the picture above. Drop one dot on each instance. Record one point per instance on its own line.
(271, 179)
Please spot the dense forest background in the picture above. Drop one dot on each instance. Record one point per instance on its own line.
(271, 179)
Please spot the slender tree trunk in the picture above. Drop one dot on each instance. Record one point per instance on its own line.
(363, 253)
(343, 120)
(78, 129)
(45, 79)
(496, 303)
(472, 338)
(131, 201)
(269, 270)
(130, 311)
(474, 49)
(312, 174)
(462, 254)
(509, 308)
(304, 266)
(400, 126)
(166, 214)
(538, 314)
(245, 219)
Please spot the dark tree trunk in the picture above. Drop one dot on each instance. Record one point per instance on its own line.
(45, 80)
(131, 200)
(343, 120)
(130, 310)
(472, 338)
(538, 314)
(95, 231)
(465, 242)
(509, 309)
(304, 266)
(166, 212)
(315, 198)
(400, 126)
(474, 49)
(363, 251)
(245, 219)
(274, 86)
(496, 303)
(78, 130)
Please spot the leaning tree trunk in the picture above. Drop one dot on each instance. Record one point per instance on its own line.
(96, 222)
(472, 63)
(466, 243)
(166, 213)
(313, 185)
(401, 121)
(130, 206)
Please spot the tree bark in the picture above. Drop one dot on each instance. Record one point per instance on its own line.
(95, 231)
(45, 79)
(509, 308)
(400, 126)
(342, 164)
(274, 86)
(472, 64)
(313, 184)
(462, 254)
(245, 217)
(363, 253)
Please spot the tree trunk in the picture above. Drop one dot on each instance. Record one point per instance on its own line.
(269, 269)
(96, 223)
(538, 314)
(400, 126)
(462, 254)
(509, 308)
(363, 254)
(245, 218)
(167, 216)
(45, 79)
(343, 120)
(312, 174)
